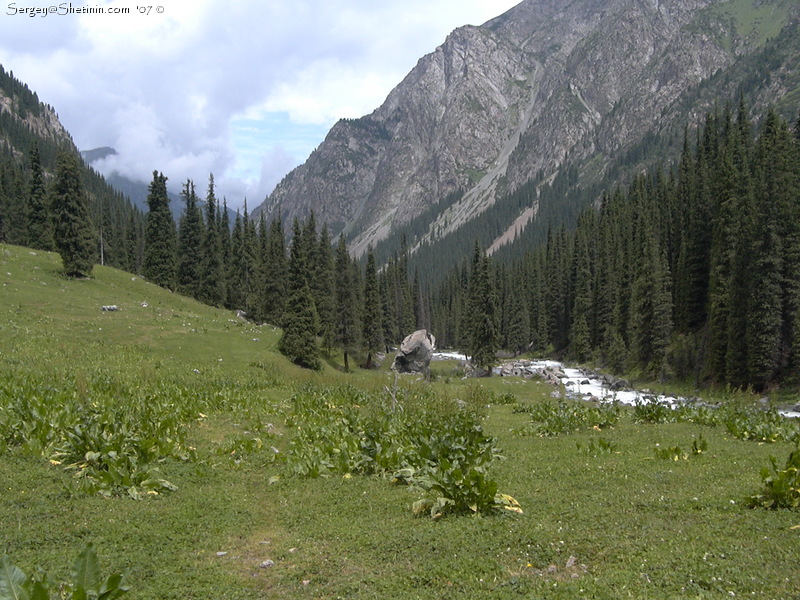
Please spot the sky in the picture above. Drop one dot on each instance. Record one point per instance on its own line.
(244, 89)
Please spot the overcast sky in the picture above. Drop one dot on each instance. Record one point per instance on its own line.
(244, 89)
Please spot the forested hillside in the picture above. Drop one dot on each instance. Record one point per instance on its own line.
(30, 139)
(690, 272)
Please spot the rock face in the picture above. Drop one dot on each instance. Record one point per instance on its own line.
(546, 85)
(415, 353)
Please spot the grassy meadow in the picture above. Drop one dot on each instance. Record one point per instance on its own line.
(175, 438)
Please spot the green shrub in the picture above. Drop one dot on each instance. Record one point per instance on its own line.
(781, 486)
(596, 448)
(548, 420)
(416, 437)
(87, 583)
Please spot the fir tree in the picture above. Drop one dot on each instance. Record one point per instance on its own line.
(74, 239)
(237, 268)
(323, 288)
(300, 323)
(482, 325)
(275, 274)
(372, 312)
(347, 326)
(160, 235)
(40, 225)
(212, 287)
(519, 325)
(190, 239)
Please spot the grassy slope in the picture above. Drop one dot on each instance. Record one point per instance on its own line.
(637, 527)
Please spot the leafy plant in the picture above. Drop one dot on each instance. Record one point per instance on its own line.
(671, 453)
(424, 440)
(699, 446)
(596, 448)
(86, 584)
(760, 425)
(548, 420)
(781, 486)
(654, 411)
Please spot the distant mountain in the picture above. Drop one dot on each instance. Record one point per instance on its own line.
(581, 93)
(25, 124)
(136, 190)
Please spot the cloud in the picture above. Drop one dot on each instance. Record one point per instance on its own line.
(244, 89)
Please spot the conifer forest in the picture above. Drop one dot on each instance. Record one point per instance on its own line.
(690, 272)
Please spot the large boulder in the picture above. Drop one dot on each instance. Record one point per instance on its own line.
(415, 353)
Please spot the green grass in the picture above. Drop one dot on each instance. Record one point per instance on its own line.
(755, 22)
(616, 524)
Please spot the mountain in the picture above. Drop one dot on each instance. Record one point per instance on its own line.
(136, 190)
(578, 91)
(25, 124)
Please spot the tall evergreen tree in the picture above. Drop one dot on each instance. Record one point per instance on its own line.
(40, 224)
(275, 274)
(373, 311)
(347, 325)
(774, 196)
(300, 323)
(323, 288)
(190, 240)
(212, 288)
(482, 318)
(160, 235)
(74, 238)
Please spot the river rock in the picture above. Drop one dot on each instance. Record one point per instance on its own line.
(415, 353)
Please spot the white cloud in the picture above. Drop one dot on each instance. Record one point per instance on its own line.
(170, 90)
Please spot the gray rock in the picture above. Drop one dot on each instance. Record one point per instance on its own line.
(415, 353)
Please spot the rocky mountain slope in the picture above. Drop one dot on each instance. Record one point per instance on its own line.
(548, 84)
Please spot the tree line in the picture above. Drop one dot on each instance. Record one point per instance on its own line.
(303, 282)
(691, 273)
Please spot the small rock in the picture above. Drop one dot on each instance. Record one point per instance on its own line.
(571, 562)
(267, 564)
(552, 569)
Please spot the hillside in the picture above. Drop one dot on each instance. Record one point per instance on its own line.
(199, 463)
(25, 124)
(48, 317)
(600, 88)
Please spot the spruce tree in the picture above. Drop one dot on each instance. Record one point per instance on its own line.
(519, 325)
(373, 311)
(347, 324)
(237, 269)
(323, 288)
(190, 239)
(74, 238)
(40, 224)
(160, 235)
(300, 323)
(767, 325)
(482, 317)
(212, 286)
(275, 274)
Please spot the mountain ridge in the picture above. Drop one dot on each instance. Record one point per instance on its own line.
(542, 86)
